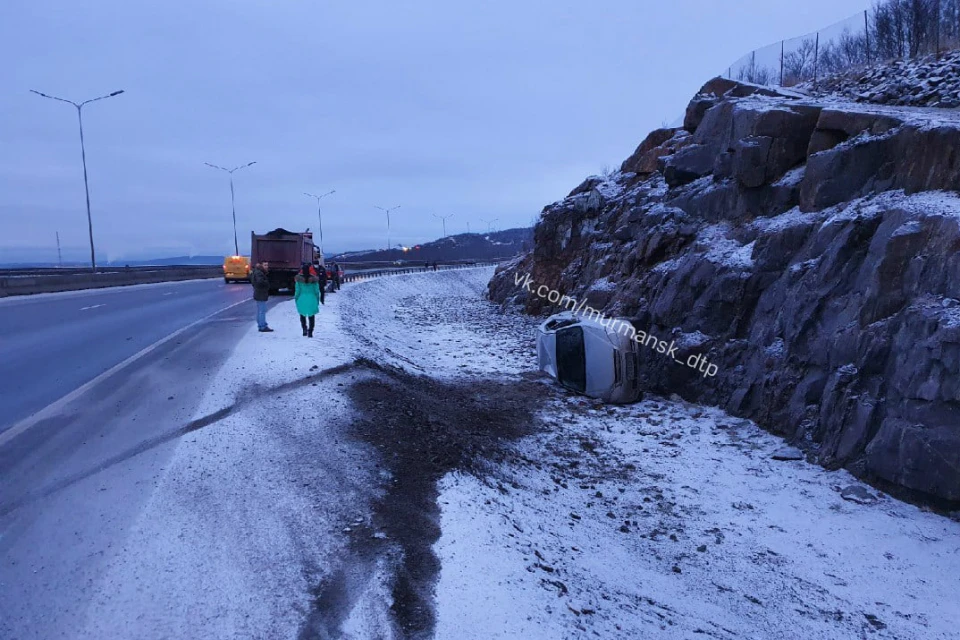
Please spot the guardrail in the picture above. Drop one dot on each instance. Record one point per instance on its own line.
(69, 271)
(15, 282)
(366, 275)
(362, 265)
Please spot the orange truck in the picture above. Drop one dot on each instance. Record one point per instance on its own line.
(236, 269)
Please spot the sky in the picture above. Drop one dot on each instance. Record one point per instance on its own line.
(485, 110)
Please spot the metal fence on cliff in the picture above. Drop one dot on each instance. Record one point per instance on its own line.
(892, 29)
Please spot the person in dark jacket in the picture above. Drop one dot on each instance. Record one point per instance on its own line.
(321, 273)
(307, 295)
(261, 293)
(336, 277)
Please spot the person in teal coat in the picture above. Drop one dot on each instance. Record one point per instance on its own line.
(307, 294)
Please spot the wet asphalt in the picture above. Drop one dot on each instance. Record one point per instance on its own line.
(51, 344)
(68, 493)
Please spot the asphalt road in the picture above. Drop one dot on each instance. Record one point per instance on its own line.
(71, 483)
(51, 344)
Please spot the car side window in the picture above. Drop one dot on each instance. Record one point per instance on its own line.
(571, 359)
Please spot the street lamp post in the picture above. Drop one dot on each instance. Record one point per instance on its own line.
(233, 205)
(489, 223)
(310, 195)
(83, 157)
(387, 211)
(443, 219)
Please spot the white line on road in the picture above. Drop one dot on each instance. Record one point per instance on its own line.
(96, 306)
(52, 408)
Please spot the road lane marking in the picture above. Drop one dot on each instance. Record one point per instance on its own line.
(96, 306)
(53, 408)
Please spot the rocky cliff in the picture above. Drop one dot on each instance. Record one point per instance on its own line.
(806, 246)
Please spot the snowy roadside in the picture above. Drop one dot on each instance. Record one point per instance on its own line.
(661, 519)
(247, 517)
(665, 520)
(437, 324)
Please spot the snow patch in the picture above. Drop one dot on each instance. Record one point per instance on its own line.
(723, 250)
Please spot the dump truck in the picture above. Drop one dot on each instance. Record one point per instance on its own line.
(285, 252)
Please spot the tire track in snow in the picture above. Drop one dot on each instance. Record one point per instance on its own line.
(247, 397)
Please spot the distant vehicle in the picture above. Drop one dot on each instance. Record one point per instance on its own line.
(285, 252)
(589, 358)
(333, 278)
(236, 269)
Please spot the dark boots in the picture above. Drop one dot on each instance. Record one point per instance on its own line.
(307, 328)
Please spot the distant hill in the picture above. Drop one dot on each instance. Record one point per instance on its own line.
(465, 246)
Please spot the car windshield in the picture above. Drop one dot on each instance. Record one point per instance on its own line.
(571, 359)
(553, 325)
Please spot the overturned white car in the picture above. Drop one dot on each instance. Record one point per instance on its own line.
(589, 358)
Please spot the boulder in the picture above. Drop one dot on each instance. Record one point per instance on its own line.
(917, 457)
(823, 139)
(696, 109)
(720, 87)
(638, 162)
(687, 165)
(787, 453)
(846, 172)
(750, 158)
(716, 87)
(852, 122)
(858, 494)
(589, 184)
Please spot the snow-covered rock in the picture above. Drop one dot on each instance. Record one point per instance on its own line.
(927, 81)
